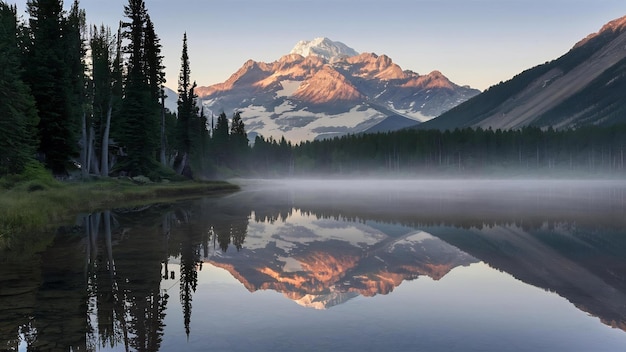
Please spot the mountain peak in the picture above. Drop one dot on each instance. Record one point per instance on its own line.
(323, 47)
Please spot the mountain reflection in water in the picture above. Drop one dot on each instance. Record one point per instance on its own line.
(112, 281)
(321, 262)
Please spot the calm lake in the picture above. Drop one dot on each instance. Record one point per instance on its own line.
(334, 266)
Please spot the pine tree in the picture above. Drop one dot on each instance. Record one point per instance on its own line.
(136, 12)
(18, 115)
(200, 139)
(238, 140)
(220, 139)
(237, 128)
(156, 78)
(52, 80)
(77, 95)
(153, 60)
(186, 105)
(140, 132)
(191, 129)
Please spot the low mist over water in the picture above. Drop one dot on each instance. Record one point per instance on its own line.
(448, 199)
(428, 186)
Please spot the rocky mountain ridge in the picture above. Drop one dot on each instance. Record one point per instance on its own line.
(329, 93)
(583, 87)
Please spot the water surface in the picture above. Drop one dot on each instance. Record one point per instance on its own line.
(346, 266)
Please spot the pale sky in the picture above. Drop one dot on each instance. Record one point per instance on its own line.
(473, 42)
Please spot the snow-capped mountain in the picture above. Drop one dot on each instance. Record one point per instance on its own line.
(322, 90)
(324, 48)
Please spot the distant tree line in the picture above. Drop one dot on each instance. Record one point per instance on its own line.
(529, 150)
(90, 98)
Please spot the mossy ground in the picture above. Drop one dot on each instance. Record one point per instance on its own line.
(36, 202)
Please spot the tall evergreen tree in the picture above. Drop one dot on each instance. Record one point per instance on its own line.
(140, 135)
(74, 37)
(156, 78)
(182, 125)
(52, 80)
(220, 139)
(134, 30)
(187, 114)
(153, 60)
(200, 162)
(238, 141)
(18, 115)
(237, 127)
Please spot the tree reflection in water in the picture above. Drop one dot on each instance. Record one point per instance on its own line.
(124, 282)
(129, 261)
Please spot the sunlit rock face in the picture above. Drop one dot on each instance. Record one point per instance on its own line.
(324, 88)
(327, 86)
(322, 262)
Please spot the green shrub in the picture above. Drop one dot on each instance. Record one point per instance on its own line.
(34, 173)
(36, 186)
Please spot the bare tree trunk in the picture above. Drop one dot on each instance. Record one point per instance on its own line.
(93, 160)
(104, 159)
(95, 164)
(88, 163)
(84, 152)
(183, 164)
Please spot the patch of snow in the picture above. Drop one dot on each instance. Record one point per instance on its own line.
(410, 113)
(289, 87)
(380, 94)
(285, 107)
(272, 126)
(415, 115)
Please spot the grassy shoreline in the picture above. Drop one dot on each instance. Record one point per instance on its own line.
(26, 209)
